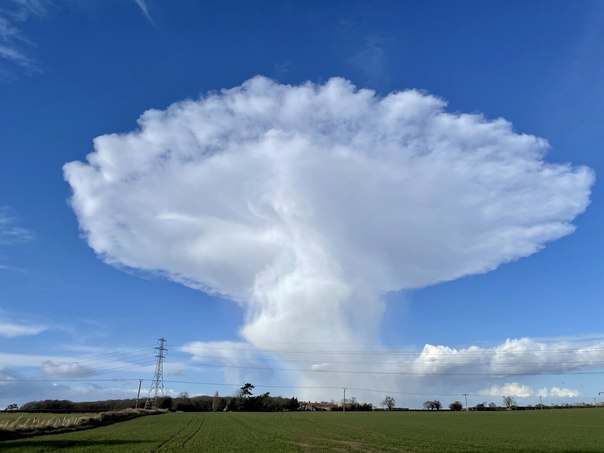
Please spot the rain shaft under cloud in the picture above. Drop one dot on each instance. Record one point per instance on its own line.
(304, 204)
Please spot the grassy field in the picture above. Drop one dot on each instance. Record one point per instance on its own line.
(547, 431)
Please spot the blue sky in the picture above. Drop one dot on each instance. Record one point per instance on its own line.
(88, 285)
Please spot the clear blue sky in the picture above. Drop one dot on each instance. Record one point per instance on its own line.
(76, 314)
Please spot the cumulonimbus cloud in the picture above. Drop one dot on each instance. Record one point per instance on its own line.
(304, 204)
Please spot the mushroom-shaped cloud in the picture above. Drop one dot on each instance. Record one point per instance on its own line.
(304, 204)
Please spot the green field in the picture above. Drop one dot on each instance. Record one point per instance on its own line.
(547, 431)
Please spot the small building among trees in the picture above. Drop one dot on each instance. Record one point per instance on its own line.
(322, 406)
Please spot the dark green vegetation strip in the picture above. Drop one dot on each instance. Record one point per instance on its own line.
(545, 431)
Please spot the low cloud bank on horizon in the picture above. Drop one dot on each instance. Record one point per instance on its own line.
(304, 204)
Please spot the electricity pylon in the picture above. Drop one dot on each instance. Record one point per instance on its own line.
(157, 385)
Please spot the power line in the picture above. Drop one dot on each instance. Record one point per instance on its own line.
(113, 363)
(398, 373)
(404, 373)
(112, 355)
(452, 352)
(270, 386)
(592, 339)
(365, 363)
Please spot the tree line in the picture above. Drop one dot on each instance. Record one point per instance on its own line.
(244, 400)
(183, 403)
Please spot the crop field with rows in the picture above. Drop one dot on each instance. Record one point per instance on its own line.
(546, 431)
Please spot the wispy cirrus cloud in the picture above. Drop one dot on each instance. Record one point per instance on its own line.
(142, 4)
(15, 45)
(10, 231)
(14, 56)
(11, 234)
(9, 329)
(13, 41)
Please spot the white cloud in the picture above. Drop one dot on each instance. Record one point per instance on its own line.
(523, 391)
(305, 203)
(66, 369)
(11, 329)
(523, 356)
(563, 392)
(509, 389)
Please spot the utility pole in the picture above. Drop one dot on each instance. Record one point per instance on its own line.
(466, 397)
(138, 395)
(344, 404)
(157, 385)
(540, 402)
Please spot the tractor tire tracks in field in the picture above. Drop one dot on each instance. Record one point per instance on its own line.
(184, 443)
(181, 431)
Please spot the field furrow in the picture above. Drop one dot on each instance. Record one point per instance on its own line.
(522, 431)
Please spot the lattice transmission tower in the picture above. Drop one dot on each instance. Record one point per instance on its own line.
(157, 385)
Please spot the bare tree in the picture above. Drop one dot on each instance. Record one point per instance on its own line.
(389, 402)
(509, 402)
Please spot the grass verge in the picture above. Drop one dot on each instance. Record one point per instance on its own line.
(41, 424)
